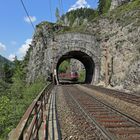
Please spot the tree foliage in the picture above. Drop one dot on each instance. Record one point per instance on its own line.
(82, 75)
(104, 6)
(7, 73)
(64, 66)
(15, 98)
(81, 14)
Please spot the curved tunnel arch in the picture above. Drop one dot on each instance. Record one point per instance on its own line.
(85, 59)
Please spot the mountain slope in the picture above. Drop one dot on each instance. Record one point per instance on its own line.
(4, 61)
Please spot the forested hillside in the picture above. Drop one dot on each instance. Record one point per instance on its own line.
(4, 61)
(78, 17)
(6, 67)
(15, 95)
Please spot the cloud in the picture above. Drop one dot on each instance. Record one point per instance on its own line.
(2, 47)
(24, 48)
(79, 4)
(21, 52)
(33, 19)
(11, 57)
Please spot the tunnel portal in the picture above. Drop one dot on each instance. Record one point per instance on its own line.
(80, 46)
(85, 59)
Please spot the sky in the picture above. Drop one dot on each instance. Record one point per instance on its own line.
(15, 29)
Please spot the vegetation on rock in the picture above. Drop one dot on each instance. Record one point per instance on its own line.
(79, 16)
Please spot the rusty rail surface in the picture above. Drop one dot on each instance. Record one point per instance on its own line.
(30, 123)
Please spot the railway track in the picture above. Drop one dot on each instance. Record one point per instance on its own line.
(130, 98)
(74, 125)
(109, 121)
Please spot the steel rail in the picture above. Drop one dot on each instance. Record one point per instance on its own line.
(108, 135)
(134, 120)
(113, 91)
(29, 124)
(102, 127)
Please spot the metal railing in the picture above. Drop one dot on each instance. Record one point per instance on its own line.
(30, 123)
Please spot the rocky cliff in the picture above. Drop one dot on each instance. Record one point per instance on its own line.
(120, 33)
(117, 35)
(116, 3)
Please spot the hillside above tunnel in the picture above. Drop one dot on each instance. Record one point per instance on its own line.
(111, 40)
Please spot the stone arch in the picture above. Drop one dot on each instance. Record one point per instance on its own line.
(44, 59)
(87, 62)
(73, 45)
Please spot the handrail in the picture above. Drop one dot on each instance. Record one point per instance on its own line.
(31, 121)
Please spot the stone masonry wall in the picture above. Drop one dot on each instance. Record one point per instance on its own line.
(44, 57)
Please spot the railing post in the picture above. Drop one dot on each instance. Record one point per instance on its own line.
(36, 122)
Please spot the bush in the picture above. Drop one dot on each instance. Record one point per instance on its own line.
(15, 102)
(82, 75)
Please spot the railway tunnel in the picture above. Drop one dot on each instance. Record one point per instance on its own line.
(85, 59)
(82, 47)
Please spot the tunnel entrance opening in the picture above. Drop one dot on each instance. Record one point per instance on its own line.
(71, 71)
(85, 59)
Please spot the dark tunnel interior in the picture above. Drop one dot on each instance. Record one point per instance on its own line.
(85, 59)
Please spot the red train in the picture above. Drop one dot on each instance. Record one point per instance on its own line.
(73, 76)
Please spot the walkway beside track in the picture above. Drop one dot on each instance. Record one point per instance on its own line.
(53, 132)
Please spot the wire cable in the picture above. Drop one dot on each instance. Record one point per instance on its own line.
(31, 20)
(61, 7)
(50, 9)
(24, 7)
(61, 1)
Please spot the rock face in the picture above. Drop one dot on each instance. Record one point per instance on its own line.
(76, 65)
(121, 35)
(113, 40)
(116, 3)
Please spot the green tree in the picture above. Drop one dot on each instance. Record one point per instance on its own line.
(18, 80)
(8, 72)
(64, 66)
(5, 116)
(81, 14)
(104, 6)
